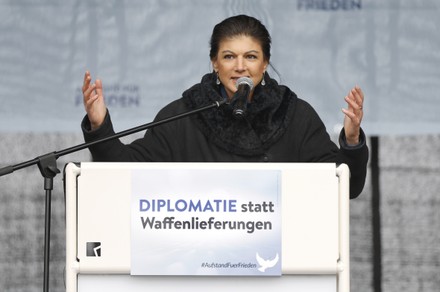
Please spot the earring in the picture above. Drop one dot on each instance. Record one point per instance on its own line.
(218, 80)
(263, 82)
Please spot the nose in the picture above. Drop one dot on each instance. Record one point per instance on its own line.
(241, 64)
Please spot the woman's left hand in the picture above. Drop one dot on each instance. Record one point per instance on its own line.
(353, 115)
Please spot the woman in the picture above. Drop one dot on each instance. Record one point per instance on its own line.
(278, 127)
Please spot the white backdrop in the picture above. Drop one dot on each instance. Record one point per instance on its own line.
(149, 52)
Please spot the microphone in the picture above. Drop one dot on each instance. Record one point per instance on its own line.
(244, 86)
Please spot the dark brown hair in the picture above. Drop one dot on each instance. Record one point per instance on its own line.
(240, 25)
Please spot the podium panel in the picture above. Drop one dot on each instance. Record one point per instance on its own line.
(314, 229)
(286, 283)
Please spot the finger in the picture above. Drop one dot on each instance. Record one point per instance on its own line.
(350, 100)
(90, 101)
(98, 83)
(351, 115)
(355, 118)
(88, 92)
(355, 99)
(358, 95)
(87, 80)
(359, 91)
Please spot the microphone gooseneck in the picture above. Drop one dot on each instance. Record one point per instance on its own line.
(244, 86)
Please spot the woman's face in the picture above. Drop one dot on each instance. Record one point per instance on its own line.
(240, 56)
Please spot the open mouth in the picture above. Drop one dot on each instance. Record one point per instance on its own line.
(234, 79)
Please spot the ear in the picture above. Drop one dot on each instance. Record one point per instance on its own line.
(266, 63)
(214, 64)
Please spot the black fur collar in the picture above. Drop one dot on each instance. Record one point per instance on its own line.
(267, 116)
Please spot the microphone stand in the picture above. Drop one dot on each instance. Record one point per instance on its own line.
(48, 167)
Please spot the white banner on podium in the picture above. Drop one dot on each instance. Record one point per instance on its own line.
(184, 222)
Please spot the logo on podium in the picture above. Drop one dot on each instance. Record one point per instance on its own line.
(93, 249)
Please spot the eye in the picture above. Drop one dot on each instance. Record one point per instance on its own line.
(251, 57)
(228, 57)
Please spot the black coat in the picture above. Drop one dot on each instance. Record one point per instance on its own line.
(279, 127)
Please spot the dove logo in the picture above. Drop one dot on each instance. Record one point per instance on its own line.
(266, 264)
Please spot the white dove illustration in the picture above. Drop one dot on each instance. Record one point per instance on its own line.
(265, 264)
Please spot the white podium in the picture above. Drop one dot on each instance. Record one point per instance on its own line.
(315, 230)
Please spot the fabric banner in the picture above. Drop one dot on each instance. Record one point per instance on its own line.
(148, 52)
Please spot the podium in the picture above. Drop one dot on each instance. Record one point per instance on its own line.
(314, 228)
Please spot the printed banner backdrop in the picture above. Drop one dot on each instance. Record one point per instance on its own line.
(224, 226)
(148, 52)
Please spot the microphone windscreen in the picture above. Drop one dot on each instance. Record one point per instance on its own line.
(244, 81)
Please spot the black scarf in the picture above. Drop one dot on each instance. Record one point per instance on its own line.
(267, 116)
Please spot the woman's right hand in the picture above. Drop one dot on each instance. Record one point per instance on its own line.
(93, 101)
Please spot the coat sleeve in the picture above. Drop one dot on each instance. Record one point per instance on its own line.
(317, 146)
(154, 146)
(356, 157)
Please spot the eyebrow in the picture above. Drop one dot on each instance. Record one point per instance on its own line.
(251, 51)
